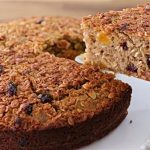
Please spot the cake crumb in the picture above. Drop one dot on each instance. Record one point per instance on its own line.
(131, 122)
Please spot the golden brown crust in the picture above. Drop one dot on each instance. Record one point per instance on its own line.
(61, 36)
(75, 92)
(83, 103)
(122, 21)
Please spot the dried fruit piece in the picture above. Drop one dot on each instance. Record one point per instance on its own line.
(1, 69)
(124, 46)
(12, 89)
(103, 38)
(123, 26)
(148, 61)
(28, 109)
(45, 98)
(39, 21)
(131, 67)
(17, 122)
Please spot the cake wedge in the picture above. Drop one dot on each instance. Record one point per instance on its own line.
(120, 40)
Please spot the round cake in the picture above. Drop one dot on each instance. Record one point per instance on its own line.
(52, 103)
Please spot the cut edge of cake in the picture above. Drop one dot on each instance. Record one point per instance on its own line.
(119, 40)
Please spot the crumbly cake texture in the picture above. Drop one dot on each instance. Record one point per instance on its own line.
(120, 40)
(51, 103)
(60, 36)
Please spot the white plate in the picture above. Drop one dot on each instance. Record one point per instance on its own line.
(129, 136)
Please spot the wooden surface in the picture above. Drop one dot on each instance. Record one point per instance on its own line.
(11, 9)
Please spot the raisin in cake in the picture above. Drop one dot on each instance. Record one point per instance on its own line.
(120, 40)
(61, 36)
(51, 103)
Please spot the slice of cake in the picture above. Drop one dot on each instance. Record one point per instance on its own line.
(60, 36)
(120, 40)
(51, 103)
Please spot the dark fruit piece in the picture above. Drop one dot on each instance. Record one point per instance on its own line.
(123, 26)
(1, 69)
(124, 46)
(39, 21)
(17, 122)
(132, 68)
(12, 89)
(45, 98)
(28, 109)
(148, 61)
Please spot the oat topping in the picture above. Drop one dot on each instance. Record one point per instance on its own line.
(147, 7)
(45, 87)
(122, 21)
(2, 110)
(60, 36)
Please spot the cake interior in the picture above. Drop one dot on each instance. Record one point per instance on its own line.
(118, 52)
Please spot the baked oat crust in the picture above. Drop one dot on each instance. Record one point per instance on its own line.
(48, 102)
(133, 21)
(61, 36)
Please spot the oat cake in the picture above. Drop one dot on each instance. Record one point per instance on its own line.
(120, 40)
(51, 103)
